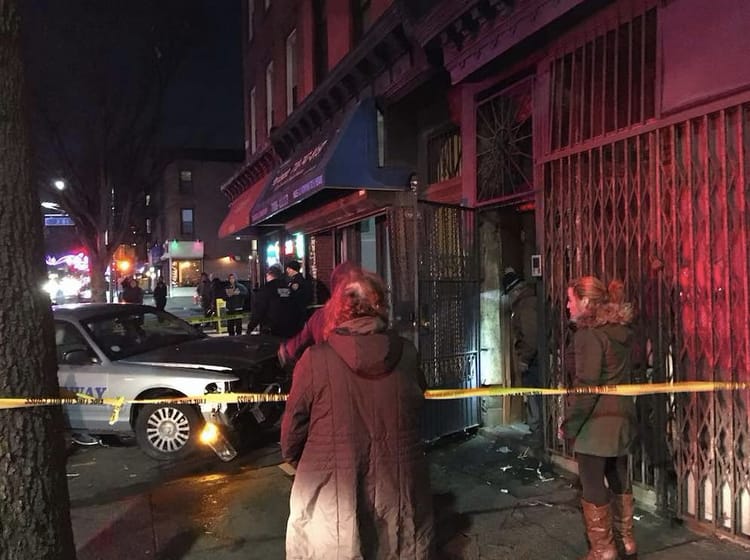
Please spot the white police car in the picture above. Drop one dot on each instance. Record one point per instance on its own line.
(138, 352)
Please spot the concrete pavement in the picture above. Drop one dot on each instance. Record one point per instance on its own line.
(490, 504)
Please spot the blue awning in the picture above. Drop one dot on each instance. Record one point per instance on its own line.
(346, 157)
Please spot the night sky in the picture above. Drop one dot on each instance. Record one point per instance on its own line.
(203, 107)
(205, 103)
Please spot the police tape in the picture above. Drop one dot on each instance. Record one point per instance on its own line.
(625, 390)
(200, 319)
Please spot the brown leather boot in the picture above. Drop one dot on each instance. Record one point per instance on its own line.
(598, 520)
(622, 521)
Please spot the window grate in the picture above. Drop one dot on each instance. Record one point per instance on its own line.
(606, 84)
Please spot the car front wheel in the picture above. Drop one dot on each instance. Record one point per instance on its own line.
(167, 432)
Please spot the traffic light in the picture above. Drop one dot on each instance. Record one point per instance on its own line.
(123, 265)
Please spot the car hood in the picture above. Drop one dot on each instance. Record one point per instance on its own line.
(213, 353)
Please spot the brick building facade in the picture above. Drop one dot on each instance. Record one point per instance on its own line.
(560, 137)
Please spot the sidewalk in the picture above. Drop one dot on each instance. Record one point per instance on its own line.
(490, 504)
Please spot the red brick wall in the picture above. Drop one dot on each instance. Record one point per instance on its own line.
(271, 28)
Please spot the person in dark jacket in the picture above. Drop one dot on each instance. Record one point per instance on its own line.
(132, 292)
(160, 295)
(236, 294)
(351, 429)
(216, 292)
(301, 289)
(523, 322)
(273, 307)
(204, 292)
(291, 350)
(602, 426)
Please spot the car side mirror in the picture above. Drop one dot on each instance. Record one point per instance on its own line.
(78, 358)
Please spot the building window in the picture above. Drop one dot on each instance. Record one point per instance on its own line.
(360, 19)
(186, 181)
(444, 155)
(148, 200)
(253, 123)
(267, 4)
(187, 225)
(250, 17)
(269, 97)
(505, 145)
(291, 72)
(320, 41)
(148, 225)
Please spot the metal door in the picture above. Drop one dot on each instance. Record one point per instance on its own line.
(443, 284)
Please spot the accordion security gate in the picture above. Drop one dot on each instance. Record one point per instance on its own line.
(447, 307)
(667, 211)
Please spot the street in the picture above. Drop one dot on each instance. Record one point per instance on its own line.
(491, 502)
(125, 505)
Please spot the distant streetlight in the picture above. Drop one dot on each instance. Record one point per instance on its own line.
(59, 184)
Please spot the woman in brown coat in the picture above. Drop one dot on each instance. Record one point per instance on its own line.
(351, 428)
(602, 426)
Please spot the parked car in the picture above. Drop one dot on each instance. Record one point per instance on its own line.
(137, 352)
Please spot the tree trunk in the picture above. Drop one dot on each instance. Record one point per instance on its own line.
(34, 503)
(97, 267)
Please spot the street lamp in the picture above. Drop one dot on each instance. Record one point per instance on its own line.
(59, 184)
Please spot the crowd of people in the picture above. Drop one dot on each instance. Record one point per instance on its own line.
(279, 307)
(361, 488)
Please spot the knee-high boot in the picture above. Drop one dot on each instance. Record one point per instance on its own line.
(622, 521)
(598, 520)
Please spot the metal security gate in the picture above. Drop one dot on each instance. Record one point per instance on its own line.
(445, 279)
(668, 212)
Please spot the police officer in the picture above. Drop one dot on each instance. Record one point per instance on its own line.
(301, 289)
(274, 308)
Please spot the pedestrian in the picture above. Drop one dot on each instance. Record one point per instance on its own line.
(204, 291)
(131, 291)
(160, 294)
(301, 289)
(218, 291)
(274, 310)
(236, 295)
(312, 333)
(525, 340)
(351, 429)
(602, 426)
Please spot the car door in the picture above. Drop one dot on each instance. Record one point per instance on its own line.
(81, 371)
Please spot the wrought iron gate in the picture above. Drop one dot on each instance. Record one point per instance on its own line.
(444, 241)
(668, 212)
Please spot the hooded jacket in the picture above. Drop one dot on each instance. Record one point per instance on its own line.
(601, 425)
(351, 427)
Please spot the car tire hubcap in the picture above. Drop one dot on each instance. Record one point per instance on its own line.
(168, 429)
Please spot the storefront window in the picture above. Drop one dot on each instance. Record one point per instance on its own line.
(186, 273)
(365, 243)
(273, 255)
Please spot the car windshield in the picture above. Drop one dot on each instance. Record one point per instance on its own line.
(130, 333)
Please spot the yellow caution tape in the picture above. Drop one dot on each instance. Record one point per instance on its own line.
(626, 390)
(433, 394)
(116, 410)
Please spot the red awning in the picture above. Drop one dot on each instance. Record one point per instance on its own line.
(238, 217)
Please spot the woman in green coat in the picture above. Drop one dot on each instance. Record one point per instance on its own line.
(602, 426)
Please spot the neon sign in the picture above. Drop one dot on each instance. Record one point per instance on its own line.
(78, 261)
